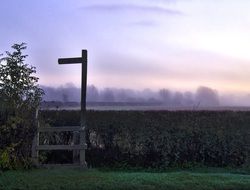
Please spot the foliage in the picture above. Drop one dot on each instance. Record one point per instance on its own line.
(5, 162)
(160, 139)
(54, 179)
(20, 96)
(18, 85)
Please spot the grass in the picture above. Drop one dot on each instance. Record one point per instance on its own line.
(104, 180)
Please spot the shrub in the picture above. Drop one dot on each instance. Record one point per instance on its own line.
(20, 96)
(159, 139)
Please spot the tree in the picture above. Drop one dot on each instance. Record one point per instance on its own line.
(20, 97)
(92, 94)
(18, 86)
(108, 95)
(165, 96)
(207, 96)
(178, 99)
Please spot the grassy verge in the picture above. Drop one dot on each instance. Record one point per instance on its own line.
(95, 179)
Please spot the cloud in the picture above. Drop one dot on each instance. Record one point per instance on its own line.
(144, 23)
(131, 7)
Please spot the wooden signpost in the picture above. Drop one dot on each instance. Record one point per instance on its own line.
(36, 147)
(82, 60)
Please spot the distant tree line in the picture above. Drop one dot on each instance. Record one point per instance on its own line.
(204, 96)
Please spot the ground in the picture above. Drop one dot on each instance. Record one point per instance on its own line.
(99, 179)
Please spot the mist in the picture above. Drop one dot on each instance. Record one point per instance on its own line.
(203, 96)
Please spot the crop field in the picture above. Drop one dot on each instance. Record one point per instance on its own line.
(159, 139)
(122, 106)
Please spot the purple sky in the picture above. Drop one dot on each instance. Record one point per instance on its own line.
(175, 44)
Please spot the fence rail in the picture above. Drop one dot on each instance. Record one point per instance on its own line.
(60, 147)
(59, 129)
(78, 149)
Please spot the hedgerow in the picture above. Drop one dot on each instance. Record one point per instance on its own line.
(159, 139)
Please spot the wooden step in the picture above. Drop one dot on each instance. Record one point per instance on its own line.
(67, 166)
(59, 129)
(61, 147)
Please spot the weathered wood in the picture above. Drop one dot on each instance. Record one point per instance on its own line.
(83, 60)
(75, 152)
(70, 60)
(35, 143)
(82, 151)
(61, 147)
(35, 152)
(75, 60)
(77, 149)
(68, 166)
(59, 129)
(83, 111)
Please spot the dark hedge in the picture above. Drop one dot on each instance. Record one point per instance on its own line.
(159, 139)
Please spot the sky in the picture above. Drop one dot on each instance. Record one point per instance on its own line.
(136, 44)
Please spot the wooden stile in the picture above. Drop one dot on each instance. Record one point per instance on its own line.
(75, 129)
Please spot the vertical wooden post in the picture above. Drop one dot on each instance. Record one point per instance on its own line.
(34, 153)
(35, 144)
(75, 152)
(83, 61)
(83, 108)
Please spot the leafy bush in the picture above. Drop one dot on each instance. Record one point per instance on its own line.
(20, 96)
(159, 139)
(5, 161)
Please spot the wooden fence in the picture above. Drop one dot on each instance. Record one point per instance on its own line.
(36, 147)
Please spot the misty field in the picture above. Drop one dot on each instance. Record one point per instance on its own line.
(213, 179)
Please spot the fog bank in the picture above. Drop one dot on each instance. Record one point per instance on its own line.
(203, 96)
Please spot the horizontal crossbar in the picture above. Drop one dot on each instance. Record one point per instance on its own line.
(59, 129)
(61, 147)
(71, 60)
